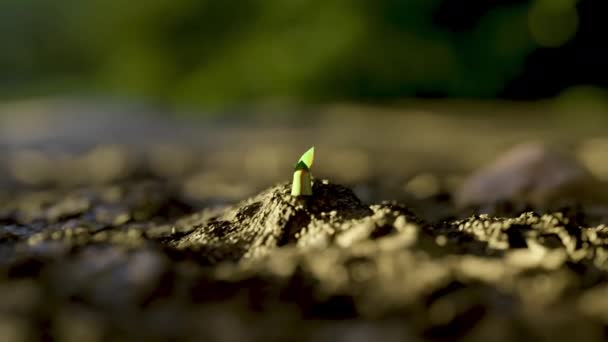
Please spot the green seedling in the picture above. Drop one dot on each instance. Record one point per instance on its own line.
(302, 178)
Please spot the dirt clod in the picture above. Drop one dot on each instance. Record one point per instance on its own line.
(269, 220)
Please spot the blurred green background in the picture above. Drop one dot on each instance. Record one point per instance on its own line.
(212, 53)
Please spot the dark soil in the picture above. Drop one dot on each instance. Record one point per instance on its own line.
(158, 252)
(92, 265)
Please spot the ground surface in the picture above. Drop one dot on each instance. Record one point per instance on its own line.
(106, 236)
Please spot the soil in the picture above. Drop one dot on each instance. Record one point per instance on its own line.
(185, 250)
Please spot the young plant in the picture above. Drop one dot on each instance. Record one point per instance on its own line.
(302, 178)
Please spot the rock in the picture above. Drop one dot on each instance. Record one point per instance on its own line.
(531, 173)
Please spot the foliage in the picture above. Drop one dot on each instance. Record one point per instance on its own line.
(208, 52)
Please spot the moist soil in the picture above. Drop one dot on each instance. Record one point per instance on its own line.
(132, 261)
(113, 246)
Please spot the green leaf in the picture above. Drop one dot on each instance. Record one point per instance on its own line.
(308, 157)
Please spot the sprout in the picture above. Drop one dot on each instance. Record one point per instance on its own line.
(302, 178)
